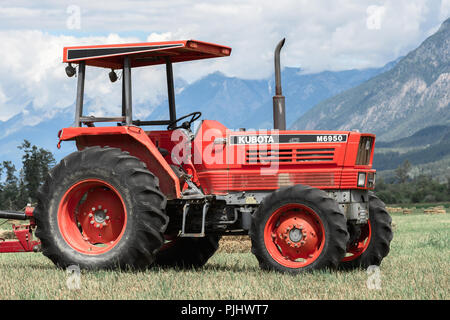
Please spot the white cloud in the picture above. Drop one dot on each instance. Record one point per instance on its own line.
(445, 9)
(375, 16)
(31, 72)
(73, 21)
(320, 35)
(3, 98)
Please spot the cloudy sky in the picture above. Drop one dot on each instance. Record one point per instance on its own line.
(321, 35)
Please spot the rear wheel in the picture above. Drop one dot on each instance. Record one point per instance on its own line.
(297, 229)
(373, 243)
(101, 208)
(187, 253)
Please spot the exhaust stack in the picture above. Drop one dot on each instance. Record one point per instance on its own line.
(279, 108)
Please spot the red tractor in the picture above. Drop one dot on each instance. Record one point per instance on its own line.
(132, 198)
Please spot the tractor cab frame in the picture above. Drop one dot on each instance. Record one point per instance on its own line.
(129, 56)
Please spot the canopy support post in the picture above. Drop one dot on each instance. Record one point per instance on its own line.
(170, 90)
(126, 78)
(124, 112)
(80, 93)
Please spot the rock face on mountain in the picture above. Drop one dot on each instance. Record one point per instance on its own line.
(411, 96)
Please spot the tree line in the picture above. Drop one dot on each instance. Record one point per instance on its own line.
(18, 188)
(405, 189)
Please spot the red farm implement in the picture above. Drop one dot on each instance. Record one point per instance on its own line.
(23, 233)
(134, 198)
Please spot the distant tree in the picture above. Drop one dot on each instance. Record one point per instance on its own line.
(37, 162)
(9, 188)
(380, 185)
(401, 173)
(423, 181)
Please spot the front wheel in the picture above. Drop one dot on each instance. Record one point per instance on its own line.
(298, 229)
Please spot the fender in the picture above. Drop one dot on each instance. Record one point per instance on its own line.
(133, 140)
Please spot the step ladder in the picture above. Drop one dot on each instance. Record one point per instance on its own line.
(185, 214)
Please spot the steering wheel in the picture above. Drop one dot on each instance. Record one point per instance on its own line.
(187, 124)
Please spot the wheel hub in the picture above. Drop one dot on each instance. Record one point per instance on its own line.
(295, 234)
(100, 216)
(292, 234)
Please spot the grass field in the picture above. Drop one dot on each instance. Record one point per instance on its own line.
(418, 267)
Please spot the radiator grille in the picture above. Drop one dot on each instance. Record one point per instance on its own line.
(289, 155)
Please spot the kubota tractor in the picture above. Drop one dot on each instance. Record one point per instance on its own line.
(133, 198)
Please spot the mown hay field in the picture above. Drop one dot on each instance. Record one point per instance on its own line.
(418, 267)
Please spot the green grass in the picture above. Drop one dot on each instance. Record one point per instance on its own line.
(418, 267)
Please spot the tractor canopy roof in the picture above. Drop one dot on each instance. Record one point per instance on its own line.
(143, 54)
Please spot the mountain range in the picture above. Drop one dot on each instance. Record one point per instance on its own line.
(427, 150)
(240, 103)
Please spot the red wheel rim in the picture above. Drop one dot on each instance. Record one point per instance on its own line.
(92, 217)
(358, 248)
(294, 235)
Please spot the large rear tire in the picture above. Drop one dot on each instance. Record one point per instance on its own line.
(187, 253)
(100, 208)
(298, 229)
(373, 244)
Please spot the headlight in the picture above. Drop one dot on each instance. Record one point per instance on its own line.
(362, 179)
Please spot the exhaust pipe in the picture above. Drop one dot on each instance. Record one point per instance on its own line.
(279, 108)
